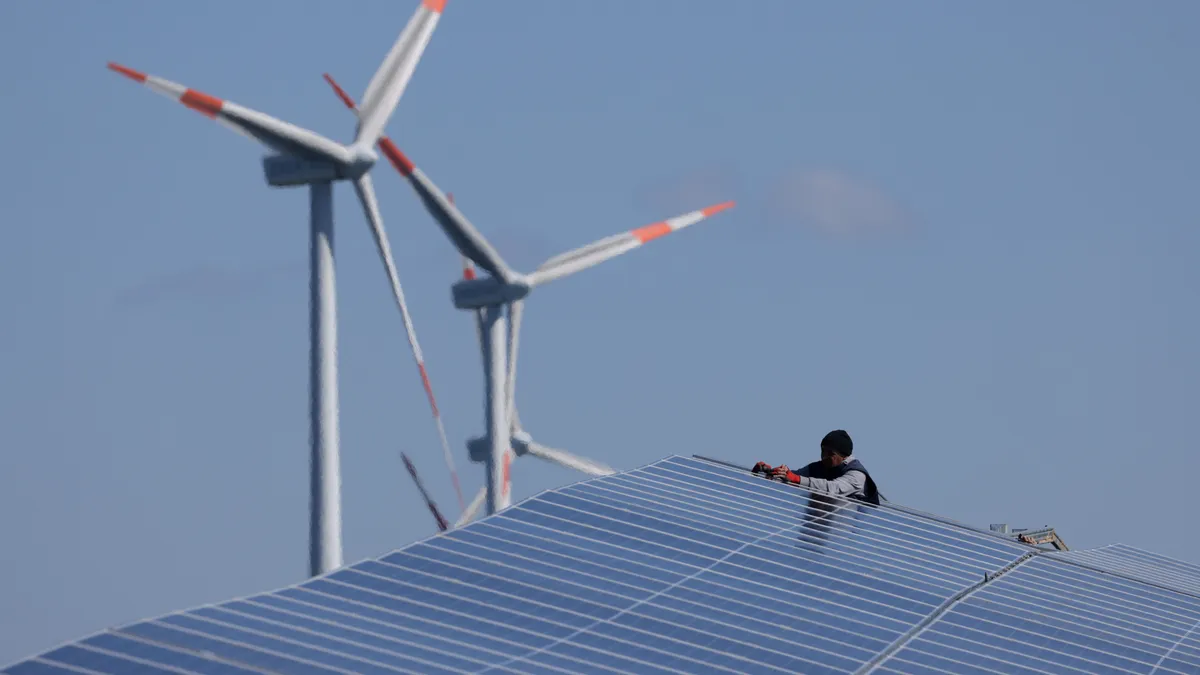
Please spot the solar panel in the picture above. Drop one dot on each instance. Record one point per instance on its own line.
(1142, 565)
(681, 566)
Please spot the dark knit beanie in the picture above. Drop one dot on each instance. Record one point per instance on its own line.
(839, 442)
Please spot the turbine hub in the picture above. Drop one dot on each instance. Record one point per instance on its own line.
(361, 160)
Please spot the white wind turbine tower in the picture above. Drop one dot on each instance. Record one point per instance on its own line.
(487, 298)
(303, 157)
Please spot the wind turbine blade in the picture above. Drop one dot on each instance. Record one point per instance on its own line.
(465, 237)
(597, 252)
(473, 508)
(274, 133)
(392, 77)
(412, 471)
(569, 460)
(366, 194)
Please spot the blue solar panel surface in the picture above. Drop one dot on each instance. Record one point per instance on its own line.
(682, 566)
(1142, 565)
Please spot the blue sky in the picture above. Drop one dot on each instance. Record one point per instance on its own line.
(965, 233)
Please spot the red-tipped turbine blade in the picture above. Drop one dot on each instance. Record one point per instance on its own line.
(383, 144)
(270, 131)
(462, 233)
(604, 249)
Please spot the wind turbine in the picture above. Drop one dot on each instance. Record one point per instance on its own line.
(488, 297)
(302, 157)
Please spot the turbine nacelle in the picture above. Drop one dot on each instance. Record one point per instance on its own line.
(479, 449)
(489, 292)
(288, 170)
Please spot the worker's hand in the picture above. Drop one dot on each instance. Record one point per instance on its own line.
(783, 473)
(762, 467)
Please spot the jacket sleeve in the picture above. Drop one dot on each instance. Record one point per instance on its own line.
(851, 482)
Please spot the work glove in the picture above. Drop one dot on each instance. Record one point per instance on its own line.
(783, 473)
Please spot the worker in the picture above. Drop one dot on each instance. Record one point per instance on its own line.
(837, 473)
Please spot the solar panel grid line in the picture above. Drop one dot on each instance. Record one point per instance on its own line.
(950, 602)
(477, 573)
(1190, 568)
(764, 604)
(355, 625)
(1178, 579)
(694, 646)
(1113, 597)
(53, 667)
(1149, 633)
(768, 630)
(494, 626)
(972, 575)
(682, 505)
(582, 630)
(1124, 567)
(968, 663)
(491, 540)
(774, 574)
(1054, 656)
(896, 575)
(909, 667)
(745, 477)
(160, 653)
(864, 516)
(1134, 627)
(680, 625)
(274, 657)
(1014, 644)
(1130, 585)
(744, 618)
(912, 515)
(858, 544)
(979, 608)
(1051, 611)
(501, 559)
(1155, 580)
(857, 552)
(1143, 570)
(103, 655)
(415, 652)
(116, 660)
(1106, 588)
(673, 548)
(665, 567)
(1174, 647)
(647, 570)
(786, 498)
(731, 625)
(340, 658)
(478, 643)
(447, 601)
(478, 637)
(914, 669)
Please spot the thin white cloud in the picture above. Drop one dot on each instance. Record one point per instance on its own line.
(837, 203)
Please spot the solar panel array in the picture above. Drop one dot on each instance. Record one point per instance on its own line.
(686, 566)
